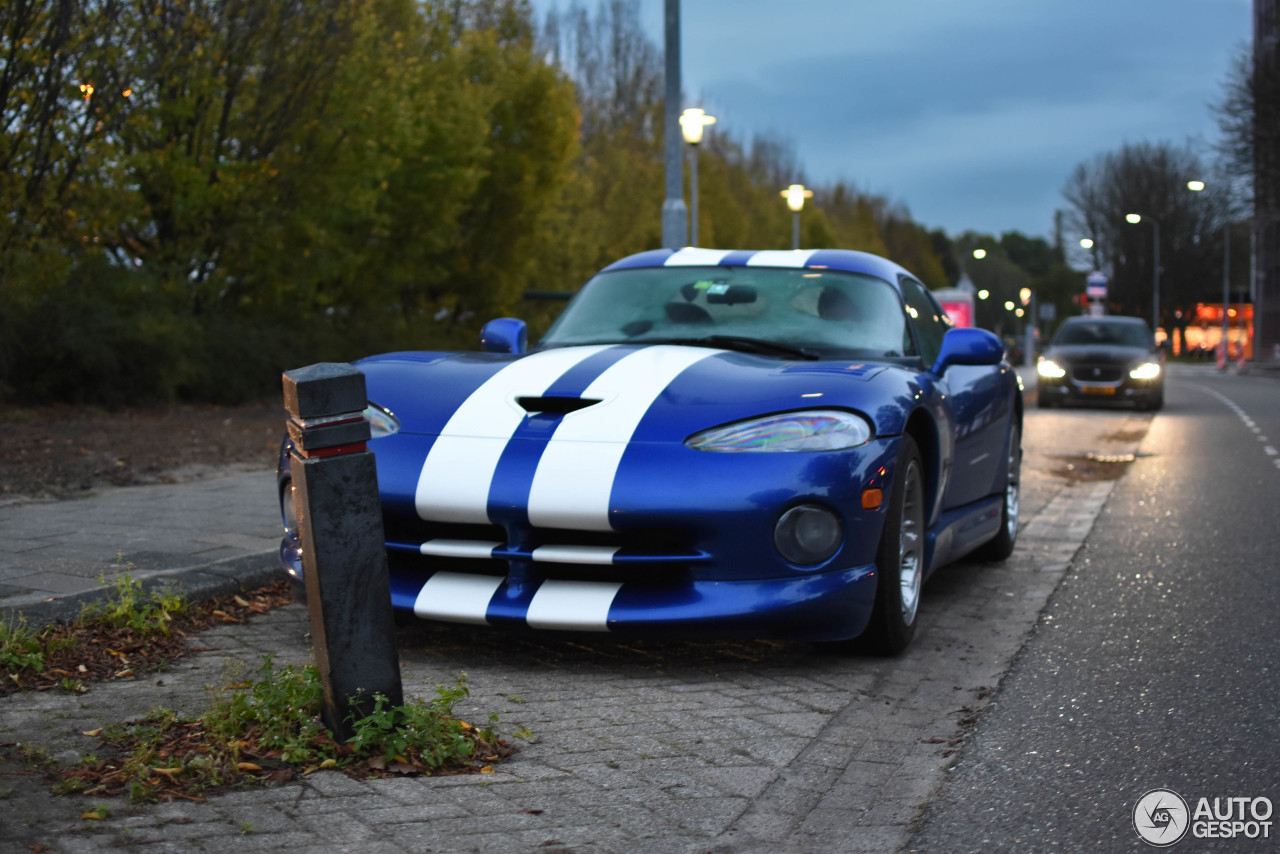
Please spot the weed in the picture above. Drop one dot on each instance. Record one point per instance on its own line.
(20, 647)
(280, 710)
(128, 607)
(269, 729)
(419, 731)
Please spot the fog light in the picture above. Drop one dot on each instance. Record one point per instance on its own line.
(807, 534)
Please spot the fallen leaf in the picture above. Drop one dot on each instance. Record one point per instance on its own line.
(488, 769)
(91, 816)
(249, 766)
(93, 733)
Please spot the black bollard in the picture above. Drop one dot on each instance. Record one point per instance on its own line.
(344, 557)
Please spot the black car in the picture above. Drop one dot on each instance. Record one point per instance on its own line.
(1102, 359)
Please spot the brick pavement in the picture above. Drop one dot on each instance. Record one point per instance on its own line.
(681, 747)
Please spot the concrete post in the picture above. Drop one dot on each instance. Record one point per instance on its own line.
(344, 557)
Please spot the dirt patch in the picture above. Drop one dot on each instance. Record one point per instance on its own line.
(61, 452)
(1091, 467)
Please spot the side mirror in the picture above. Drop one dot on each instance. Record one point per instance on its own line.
(968, 346)
(504, 335)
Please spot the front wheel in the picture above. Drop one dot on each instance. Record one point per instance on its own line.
(899, 558)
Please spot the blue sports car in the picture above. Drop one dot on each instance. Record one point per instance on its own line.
(706, 443)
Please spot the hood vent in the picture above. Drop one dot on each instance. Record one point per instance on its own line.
(555, 405)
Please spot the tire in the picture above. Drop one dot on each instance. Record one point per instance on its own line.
(1001, 547)
(899, 558)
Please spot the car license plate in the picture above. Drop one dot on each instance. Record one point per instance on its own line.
(1097, 389)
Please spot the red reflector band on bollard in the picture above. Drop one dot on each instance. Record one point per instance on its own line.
(332, 452)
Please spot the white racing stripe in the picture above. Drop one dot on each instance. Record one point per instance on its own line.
(780, 258)
(573, 605)
(454, 483)
(456, 597)
(574, 478)
(692, 256)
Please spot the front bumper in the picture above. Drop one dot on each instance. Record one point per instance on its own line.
(1127, 390)
(831, 605)
(688, 558)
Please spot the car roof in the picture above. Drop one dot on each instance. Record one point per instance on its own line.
(1106, 318)
(846, 260)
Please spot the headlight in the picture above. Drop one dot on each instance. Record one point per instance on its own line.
(381, 421)
(1145, 371)
(816, 430)
(1051, 369)
(807, 534)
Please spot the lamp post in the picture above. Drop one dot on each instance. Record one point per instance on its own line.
(1028, 299)
(795, 196)
(674, 212)
(1134, 219)
(692, 123)
(1197, 187)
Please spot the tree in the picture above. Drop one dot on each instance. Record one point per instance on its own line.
(1149, 180)
(1249, 118)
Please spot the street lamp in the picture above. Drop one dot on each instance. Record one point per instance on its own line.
(1196, 187)
(692, 122)
(795, 196)
(1134, 219)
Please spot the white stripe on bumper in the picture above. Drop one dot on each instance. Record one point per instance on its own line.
(584, 555)
(573, 605)
(456, 597)
(458, 548)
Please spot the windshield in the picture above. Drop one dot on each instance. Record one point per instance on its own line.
(824, 311)
(1107, 333)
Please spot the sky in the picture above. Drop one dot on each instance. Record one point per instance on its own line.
(970, 113)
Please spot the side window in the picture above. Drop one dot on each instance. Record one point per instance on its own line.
(929, 320)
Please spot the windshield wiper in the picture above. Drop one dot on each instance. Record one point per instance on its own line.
(742, 344)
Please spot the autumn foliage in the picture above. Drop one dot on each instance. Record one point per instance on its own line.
(199, 194)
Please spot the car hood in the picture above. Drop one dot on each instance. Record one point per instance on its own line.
(623, 393)
(1098, 354)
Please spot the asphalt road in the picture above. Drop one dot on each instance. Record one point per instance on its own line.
(1155, 663)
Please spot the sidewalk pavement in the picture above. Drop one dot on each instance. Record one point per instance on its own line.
(212, 536)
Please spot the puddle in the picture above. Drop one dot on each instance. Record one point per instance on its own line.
(1092, 467)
